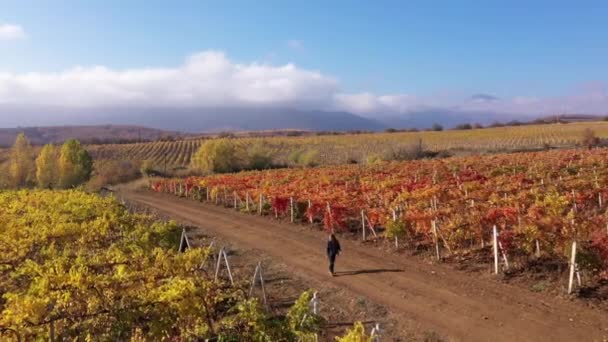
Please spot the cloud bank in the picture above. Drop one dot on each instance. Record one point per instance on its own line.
(11, 32)
(211, 79)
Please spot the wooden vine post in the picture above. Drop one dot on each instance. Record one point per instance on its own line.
(396, 236)
(363, 224)
(572, 267)
(310, 218)
(258, 275)
(436, 238)
(495, 246)
(261, 204)
(291, 208)
(222, 256)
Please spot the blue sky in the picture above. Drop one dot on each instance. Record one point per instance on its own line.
(423, 49)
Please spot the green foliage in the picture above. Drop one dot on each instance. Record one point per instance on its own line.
(305, 157)
(75, 164)
(302, 323)
(147, 168)
(356, 334)
(395, 229)
(437, 127)
(21, 163)
(373, 159)
(259, 156)
(217, 156)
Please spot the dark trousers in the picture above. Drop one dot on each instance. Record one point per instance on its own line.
(332, 260)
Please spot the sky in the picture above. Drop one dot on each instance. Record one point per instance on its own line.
(368, 57)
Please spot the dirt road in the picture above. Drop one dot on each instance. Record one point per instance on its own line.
(452, 303)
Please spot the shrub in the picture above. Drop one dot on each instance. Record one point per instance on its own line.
(463, 126)
(589, 139)
(148, 168)
(259, 156)
(308, 158)
(218, 155)
(373, 159)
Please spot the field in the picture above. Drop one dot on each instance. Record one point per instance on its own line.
(171, 156)
(540, 202)
(341, 149)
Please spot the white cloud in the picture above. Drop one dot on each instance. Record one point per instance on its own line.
(211, 79)
(204, 79)
(11, 32)
(295, 44)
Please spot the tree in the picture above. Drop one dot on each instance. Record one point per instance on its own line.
(21, 164)
(75, 164)
(437, 127)
(46, 167)
(259, 156)
(218, 155)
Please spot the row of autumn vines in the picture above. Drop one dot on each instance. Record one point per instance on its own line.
(75, 266)
(540, 201)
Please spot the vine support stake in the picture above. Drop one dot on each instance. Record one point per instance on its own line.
(537, 249)
(436, 238)
(363, 224)
(261, 204)
(495, 247)
(222, 256)
(310, 218)
(291, 208)
(572, 267)
(257, 274)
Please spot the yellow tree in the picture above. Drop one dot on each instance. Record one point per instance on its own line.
(46, 167)
(21, 164)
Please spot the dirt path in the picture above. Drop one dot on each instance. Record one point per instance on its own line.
(439, 299)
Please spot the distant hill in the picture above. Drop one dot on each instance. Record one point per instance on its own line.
(86, 134)
(192, 120)
(572, 118)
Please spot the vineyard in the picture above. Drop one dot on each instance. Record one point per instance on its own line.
(75, 266)
(341, 149)
(539, 202)
(168, 156)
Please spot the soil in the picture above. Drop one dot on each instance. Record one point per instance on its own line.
(411, 298)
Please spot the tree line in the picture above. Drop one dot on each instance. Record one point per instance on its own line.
(64, 167)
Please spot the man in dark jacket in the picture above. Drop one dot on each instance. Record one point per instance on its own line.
(333, 250)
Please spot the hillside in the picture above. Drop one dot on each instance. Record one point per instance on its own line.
(87, 134)
(192, 119)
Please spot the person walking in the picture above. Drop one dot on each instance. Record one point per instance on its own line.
(333, 250)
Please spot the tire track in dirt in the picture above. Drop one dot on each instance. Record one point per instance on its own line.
(438, 298)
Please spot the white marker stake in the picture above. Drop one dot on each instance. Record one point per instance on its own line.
(291, 207)
(495, 249)
(537, 249)
(572, 266)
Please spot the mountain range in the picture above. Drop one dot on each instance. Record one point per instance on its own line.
(199, 120)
